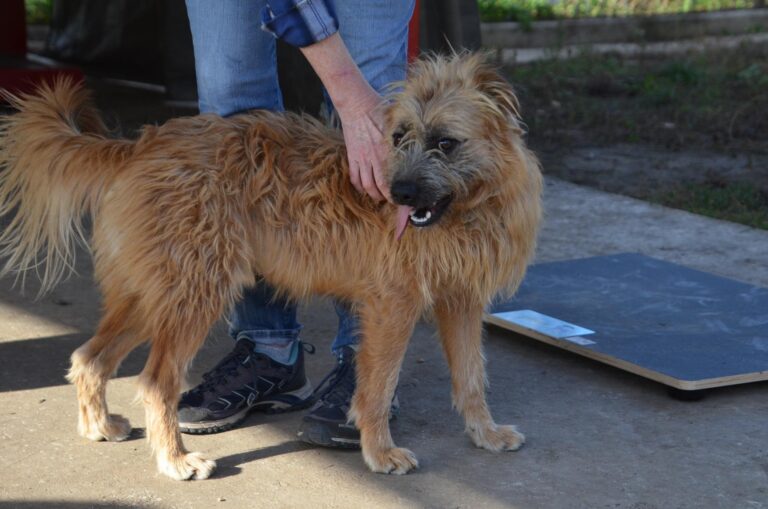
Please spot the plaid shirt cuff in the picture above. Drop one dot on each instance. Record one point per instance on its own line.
(299, 22)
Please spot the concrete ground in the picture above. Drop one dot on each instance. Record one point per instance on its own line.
(597, 437)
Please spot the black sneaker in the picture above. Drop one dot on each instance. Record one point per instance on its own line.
(326, 422)
(244, 381)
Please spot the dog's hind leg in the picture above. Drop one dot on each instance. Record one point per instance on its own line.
(386, 330)
(174, 344)
(461, 331)
(93, 364)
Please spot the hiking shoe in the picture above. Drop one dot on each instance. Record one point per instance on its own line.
(244, 381)
(326, 422)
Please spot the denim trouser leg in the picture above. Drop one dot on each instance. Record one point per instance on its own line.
(236, 67)
(236, 71)
(376, 34)
(235, 61)
(267, 321)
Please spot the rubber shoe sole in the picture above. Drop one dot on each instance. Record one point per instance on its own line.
(284, 402)
(319, 433)
(331, 434)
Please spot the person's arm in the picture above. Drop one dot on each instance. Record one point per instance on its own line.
(360, 110)
(311, 25)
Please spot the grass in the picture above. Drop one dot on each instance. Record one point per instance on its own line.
(737, 202)
(522, 11)
(38, 11)
(715, 101)
(525, 11)
(711, 100)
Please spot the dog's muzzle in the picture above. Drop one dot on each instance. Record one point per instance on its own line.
(416, 208)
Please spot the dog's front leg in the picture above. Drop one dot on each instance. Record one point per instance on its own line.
(461, 333)
(386, 330)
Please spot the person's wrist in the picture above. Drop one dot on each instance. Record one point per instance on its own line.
(356, 101)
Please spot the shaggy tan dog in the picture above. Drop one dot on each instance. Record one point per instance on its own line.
(185, 216)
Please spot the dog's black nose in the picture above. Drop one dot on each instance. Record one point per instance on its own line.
(405, 192)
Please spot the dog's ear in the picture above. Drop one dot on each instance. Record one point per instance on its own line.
(501, 94)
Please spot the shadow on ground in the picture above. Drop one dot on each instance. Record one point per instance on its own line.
(228, 466)
(47, 504)
(43, 362)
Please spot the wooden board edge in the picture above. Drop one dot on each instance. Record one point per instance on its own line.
(685, 385)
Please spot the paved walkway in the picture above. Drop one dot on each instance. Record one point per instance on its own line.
(597, 437)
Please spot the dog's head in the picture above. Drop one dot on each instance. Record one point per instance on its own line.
(452, 129)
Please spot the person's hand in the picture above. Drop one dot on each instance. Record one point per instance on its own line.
(360, 110)
(366, 149)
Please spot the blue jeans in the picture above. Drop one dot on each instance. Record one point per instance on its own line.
(236, 70)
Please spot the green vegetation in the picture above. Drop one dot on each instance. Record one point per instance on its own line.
(522, 11)
(737, 202)
(713, 99)
(38, 11)
(525, 11)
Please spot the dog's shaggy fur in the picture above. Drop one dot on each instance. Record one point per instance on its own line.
(185, 216)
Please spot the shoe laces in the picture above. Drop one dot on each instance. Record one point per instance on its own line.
(226, 368)
(230, 365)
(338, 386)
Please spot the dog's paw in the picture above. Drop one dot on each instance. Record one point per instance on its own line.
(191, 465)
(395, 460)
(497, 438)
(115, 428)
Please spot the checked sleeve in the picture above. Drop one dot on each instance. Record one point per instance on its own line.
(299, 22)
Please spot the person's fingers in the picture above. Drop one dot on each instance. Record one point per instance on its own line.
(379, 161)
(366, 151)
(369, 183)
(377, 173)
(354, 175)
(381, 183)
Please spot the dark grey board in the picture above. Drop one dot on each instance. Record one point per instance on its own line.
(682, 327)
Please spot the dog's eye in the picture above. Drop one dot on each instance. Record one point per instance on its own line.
(397, 138)
(447, 144)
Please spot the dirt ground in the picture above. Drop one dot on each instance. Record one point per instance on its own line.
(641, 169)
(687, 131)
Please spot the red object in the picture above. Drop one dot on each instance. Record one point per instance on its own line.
(17, 74)
(413, 33)
(25, 79)
(13, 28)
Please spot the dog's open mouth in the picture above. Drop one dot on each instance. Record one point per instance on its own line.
(426, 216)
(422, 216)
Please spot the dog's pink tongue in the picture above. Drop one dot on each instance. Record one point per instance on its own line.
(403, 212)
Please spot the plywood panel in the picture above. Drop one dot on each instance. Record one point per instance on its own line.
(679, 326)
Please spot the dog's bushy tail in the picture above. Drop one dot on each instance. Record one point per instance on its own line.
(55, 162)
